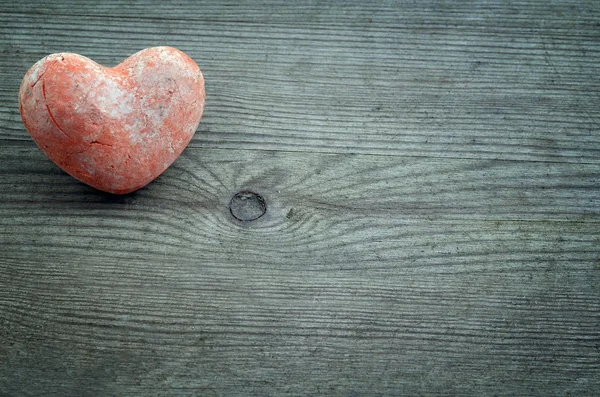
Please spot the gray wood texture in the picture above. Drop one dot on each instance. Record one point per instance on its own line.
(431, 173)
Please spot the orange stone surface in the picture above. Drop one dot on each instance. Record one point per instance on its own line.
(115, 129)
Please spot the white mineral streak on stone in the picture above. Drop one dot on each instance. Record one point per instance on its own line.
(169, 56)
(89, 168)
(135, 130)
(174, 58)
(36, 71)
(111, 99)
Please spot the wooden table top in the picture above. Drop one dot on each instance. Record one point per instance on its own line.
(430, 172)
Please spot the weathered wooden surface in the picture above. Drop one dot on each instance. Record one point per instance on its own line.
(431, 174)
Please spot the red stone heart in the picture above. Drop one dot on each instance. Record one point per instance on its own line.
(115, 129)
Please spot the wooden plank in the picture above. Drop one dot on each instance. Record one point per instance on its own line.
(481, 81)
(411, 188)
(366, 275)
(430, 171)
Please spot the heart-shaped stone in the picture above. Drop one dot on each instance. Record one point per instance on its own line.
(115, 129)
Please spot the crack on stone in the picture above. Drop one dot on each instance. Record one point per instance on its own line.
(38, 79)
(52, 119)
(94, 142)
(178, 89)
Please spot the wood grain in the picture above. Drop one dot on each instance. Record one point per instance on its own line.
(481, 80)
(367, 273)
(430, 172)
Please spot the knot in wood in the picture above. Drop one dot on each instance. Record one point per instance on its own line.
(247, 206)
